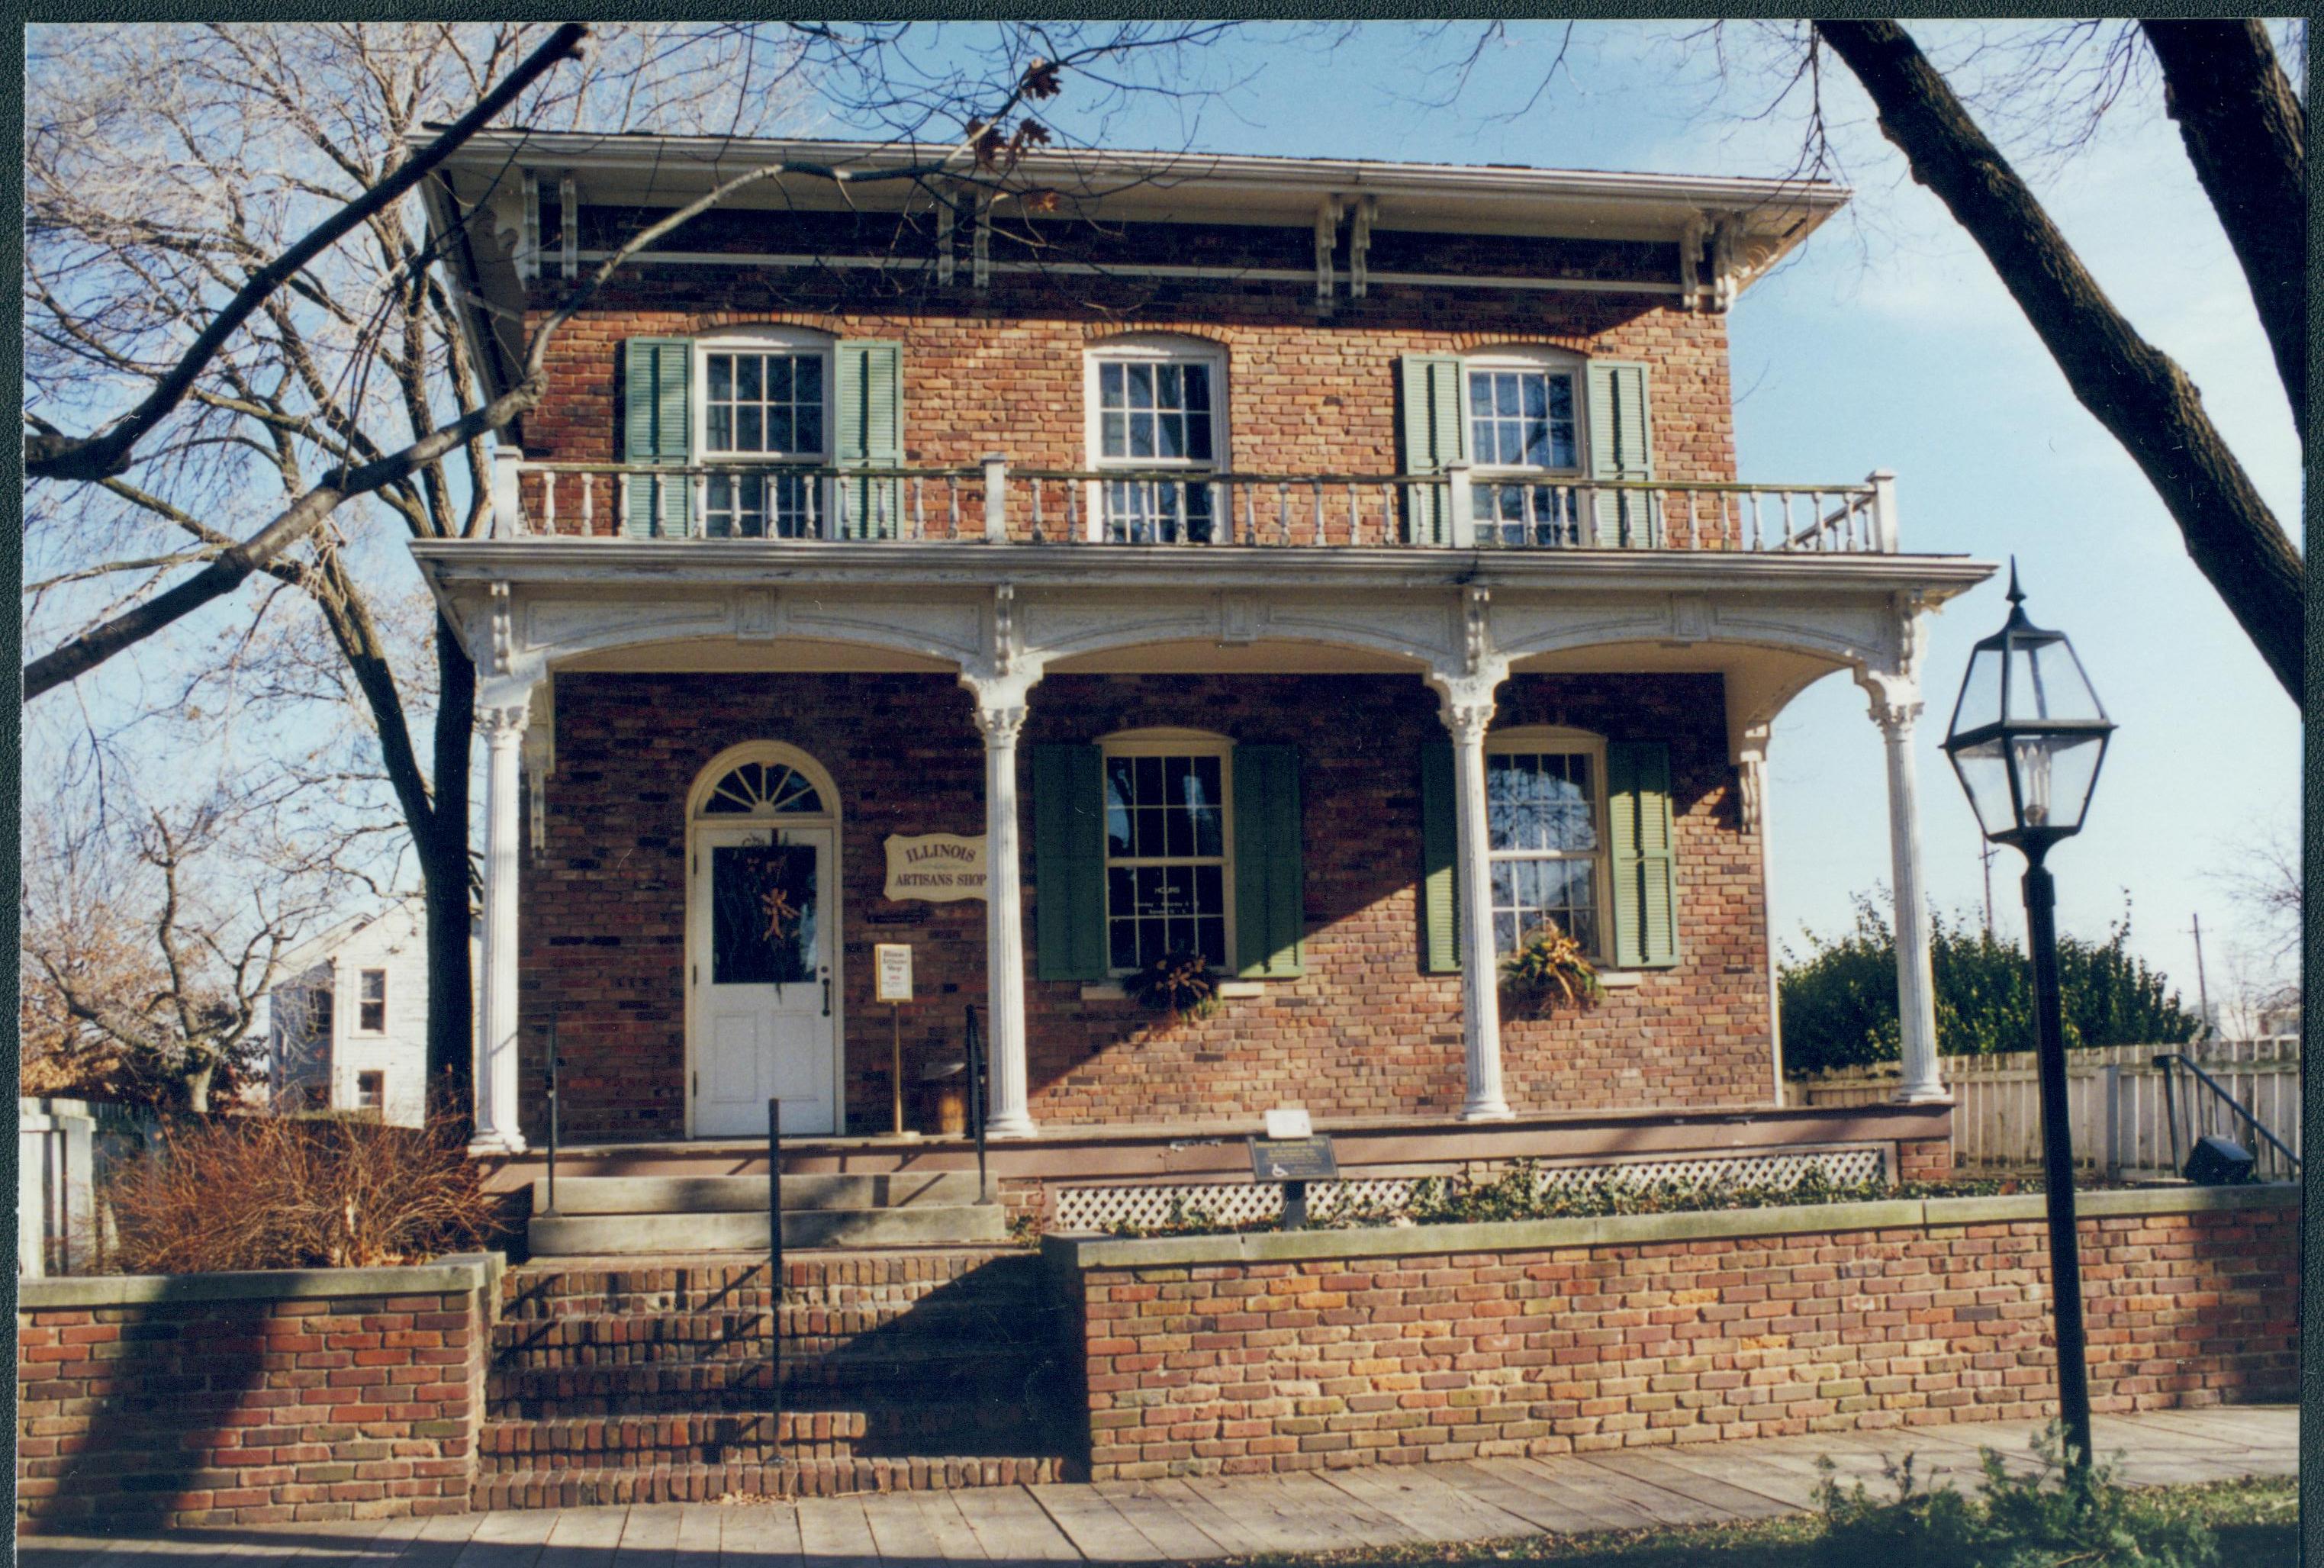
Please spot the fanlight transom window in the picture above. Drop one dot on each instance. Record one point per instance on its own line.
(763, 790)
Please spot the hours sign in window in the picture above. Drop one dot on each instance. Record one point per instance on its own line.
(1166, 858)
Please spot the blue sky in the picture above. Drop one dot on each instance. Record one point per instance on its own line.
(1889, 343)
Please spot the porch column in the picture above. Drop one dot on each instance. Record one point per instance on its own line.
(1751, 774)
(1895, 708)
(503, 728)
(1467, 707)
(1000, 714)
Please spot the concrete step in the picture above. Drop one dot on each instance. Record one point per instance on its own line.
(932, 1332)
(635, 1234)
(748, 1194)
(582, 1486)
(852, 1280)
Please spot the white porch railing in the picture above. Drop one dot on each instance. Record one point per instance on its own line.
(993, 503)
(2121, 1120)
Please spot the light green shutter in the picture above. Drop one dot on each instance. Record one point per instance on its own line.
(657, 429)
(1646, 881)
(869, 428)
(1271, 896)
(1621, 448)
(1069, 863)
(1440, 885)
(1435, 432)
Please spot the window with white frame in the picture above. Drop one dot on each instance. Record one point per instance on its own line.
(1156, 410)
(1544, 806)
(370, 1003)
(1169, 883)
(764, 403)
(1524, 409)
(370, 1092)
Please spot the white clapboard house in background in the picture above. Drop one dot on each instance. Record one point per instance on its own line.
(347, 1025)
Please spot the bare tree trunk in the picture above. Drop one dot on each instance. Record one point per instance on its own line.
(443, 848)
(2138, 392)
(197, 1084)
(2244, 131)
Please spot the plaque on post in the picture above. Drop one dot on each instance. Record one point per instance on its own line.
(1292, 1155)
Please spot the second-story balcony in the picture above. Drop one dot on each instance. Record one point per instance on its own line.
(994, 503)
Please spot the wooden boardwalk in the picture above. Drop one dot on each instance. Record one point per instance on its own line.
(1186, 1520)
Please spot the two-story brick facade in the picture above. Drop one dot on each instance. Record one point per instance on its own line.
(1333, 570)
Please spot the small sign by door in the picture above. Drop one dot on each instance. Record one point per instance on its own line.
(893, 962)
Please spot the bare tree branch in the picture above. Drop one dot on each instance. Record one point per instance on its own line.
(110, 452)
(2138, 392)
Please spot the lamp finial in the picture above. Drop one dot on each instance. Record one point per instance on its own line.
(2017, 594)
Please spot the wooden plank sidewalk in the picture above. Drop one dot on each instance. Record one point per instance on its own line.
(1190, 1520)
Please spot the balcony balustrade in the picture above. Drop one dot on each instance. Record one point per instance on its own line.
(994, 503)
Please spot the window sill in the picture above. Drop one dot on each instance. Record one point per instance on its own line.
(1620, 979)
(1228, 991)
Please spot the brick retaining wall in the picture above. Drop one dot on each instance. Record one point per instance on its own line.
(251, 1399)
(1226, 1355)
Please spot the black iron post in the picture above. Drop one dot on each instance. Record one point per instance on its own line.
(2057, 1162)
(552, 1115)
(975, 1107)
(775, 1264)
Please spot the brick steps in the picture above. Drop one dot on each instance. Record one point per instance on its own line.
(750, 1437)
(579, 1487)
(618, 1383)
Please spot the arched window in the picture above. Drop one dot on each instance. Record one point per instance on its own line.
(767, 789)
(1155, 408)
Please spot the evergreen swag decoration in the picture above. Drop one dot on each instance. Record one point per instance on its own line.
(1548, 972)
(1179, 982)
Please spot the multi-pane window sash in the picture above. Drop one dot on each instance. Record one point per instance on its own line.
(1155, 414)
(763, 405)
(1165, 858)
(1541, 812)
(1522, 423)
(371, 1009)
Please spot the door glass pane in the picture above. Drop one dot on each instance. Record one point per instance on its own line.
(762, 914)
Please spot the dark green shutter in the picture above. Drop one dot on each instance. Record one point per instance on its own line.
(1440, 882)
(657, 429)
(1271, 896)
(870, 432)
(1621, 448)
(1435, 432)
(1645, 881)
(1069, 863)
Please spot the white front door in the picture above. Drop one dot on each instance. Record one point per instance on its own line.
(762, 916)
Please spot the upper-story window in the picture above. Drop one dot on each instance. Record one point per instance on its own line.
(1544, 800)
(764, 399)
(1524, 409)
(370, 1003)
(1157, 407)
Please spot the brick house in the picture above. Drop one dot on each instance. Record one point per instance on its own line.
(1334, 570)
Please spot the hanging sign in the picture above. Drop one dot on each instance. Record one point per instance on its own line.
(939, 867)
(894, 961)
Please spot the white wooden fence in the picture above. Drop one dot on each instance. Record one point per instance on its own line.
(2121, 1121)
(64, 1148)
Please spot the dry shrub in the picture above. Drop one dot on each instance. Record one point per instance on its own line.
(265, 1192)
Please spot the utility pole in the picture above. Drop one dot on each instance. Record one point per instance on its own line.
(1984, 854)
(2202, 986)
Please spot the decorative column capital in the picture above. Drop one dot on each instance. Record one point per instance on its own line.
(1002, 696)
(1893, 699)
(1465, 699)
(502, 724)
(1001, 724)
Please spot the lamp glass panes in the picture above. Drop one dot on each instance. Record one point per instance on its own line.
(2028, 733)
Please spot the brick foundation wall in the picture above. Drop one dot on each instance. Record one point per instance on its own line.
(1205, 1363)
(262, 1406)
(1363, 1033)
(1924, 1159)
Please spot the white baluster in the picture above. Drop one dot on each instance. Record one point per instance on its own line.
(588, 505)
(549, 501)
(919, 509)
(1221, 512)
(1034, 480)
(952, 501)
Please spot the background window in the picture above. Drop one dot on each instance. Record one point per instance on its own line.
(1165, 857)
(1155, 413)
(371, 1091)
(1522, 418)
(1540, 811)
(371, 1006)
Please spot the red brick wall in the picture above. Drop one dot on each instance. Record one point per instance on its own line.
(1247, 1367)
(1924, 1159)
(1364, 1032)
(248, 1411)
(1002, 371)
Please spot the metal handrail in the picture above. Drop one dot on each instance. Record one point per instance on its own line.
(975, 1106)
(2170, 1060)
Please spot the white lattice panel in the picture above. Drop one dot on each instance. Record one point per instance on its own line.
(1239, 1202)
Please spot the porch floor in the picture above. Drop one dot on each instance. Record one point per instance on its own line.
(1310, 1512)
